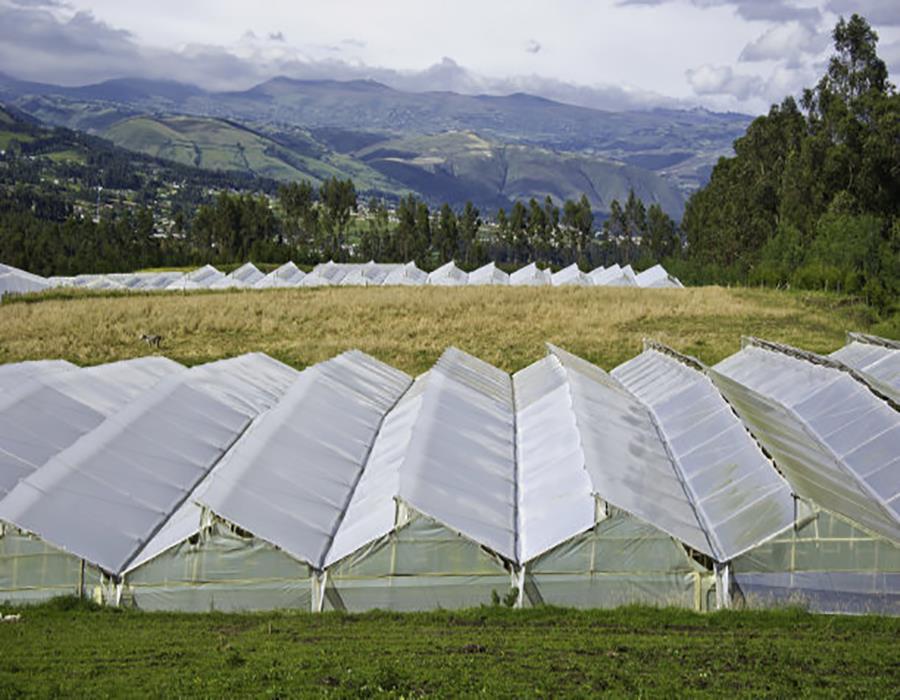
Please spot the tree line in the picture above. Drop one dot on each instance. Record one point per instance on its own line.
(811, 198)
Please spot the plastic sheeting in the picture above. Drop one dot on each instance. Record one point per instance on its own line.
(737, 493)
(420, 566)
(530, 276)
(448, 275)
(824, 564)
(290, 479)
(488, 275)
(372, 510)
(49, 413)
(106, 495)
(571, 276)
(625, 455)
(555, 493)
(368, 275)
(14, 375)
(620, 561)
(17, 283)
(837, 443)
(245, 276)
(352, 274)
(201, 278)
(656, 277)
(876, 358)
(408, 275)
(221, 568)
(564, 483)
(460, 465)
(288, 275)
(32, 571)
(613, 276)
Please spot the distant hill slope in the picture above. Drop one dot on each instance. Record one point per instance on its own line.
(680, 146)
(463, 165)
(216, 144)
(452, 167)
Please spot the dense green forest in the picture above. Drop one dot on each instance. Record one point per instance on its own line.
(811, 199)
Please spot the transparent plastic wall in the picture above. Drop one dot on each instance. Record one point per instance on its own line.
(621, 561)
(31, 571)
(420, 566)
(221, 568)
(826, 565)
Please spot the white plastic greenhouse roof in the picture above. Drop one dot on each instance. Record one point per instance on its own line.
(656, 277)
(571, 276)
(459, 467)
(448, 275)
(121, 460)
(371, 512)
(625, 455)
(878, 359)
(18, 283)
(104, 497)
(12, 376)
(836, 441)
(290, 479)
(739, 496)
(555, 493)
(615, 276)
(530, 276)
(288, 275)
(370, 274)
(406, 275)
(488, 274)
(46, 414)
(245, 276)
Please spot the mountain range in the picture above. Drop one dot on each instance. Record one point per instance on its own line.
(444, 146)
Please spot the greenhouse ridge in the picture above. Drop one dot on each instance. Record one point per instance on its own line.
(248, 276)
(245, 484)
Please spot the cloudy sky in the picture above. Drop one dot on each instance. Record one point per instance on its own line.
(721, 54)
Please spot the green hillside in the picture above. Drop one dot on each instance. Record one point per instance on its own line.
(216, 144)
(454, 166)
(464, 165)
(203, 143)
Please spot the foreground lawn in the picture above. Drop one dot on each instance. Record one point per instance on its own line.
(79, 652)
(410, 327)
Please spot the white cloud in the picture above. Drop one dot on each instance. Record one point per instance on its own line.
(792, 43)
(877, 12)
(722, 80)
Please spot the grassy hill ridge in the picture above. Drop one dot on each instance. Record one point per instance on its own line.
(448, 167)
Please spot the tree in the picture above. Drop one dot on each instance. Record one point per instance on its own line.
(339, 202)
(298, 204)
(446, 236)
(404, 244)
(812, 199)
(469, 226)
(422, 239)
(578, 222)
(518, 227)
(374, 243)
(661, 239)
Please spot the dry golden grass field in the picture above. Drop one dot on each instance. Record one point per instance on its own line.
(410, 327)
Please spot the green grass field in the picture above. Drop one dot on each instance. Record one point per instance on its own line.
(67, 649)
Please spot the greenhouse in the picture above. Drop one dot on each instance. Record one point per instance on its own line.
(243, 484)
(330, 274)
(838, 443)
